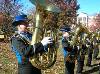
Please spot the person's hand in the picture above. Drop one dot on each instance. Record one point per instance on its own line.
(47, 40)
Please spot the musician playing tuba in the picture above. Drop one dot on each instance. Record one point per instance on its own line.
(69, 50)
(20, 43)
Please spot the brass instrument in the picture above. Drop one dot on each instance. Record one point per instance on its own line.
(96, 39)
(80, 29)
(77, 40)
(46, 59)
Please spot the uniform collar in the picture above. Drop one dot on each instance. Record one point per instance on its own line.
(20, 32)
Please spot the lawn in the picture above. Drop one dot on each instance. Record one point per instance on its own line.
(8, 63)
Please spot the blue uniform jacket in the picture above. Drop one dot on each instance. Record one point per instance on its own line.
(22, 49)
(64, 46)
(67, 48)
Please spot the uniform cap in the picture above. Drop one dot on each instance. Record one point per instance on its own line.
(20, 18)
(65, 28)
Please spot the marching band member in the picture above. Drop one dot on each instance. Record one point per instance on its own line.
(81, 54)
(90, 51)
(69, 51)
(22, 49)
(96, 43)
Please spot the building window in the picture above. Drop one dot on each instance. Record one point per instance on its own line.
(79, 19)
(84, 19)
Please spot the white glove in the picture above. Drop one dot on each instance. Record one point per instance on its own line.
(47, 40)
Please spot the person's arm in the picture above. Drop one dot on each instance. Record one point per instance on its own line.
(66, 45)
(26, 49)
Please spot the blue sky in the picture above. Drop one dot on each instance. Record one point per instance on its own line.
(88, 6)
(27, 5)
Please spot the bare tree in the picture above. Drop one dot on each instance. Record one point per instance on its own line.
(8, 8)
(95, 23)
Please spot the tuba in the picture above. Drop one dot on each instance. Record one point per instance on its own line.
(44, 27)
(77, 38)
(80, 32)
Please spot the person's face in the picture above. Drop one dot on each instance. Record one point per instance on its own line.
(65, 34)
(23, 26)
